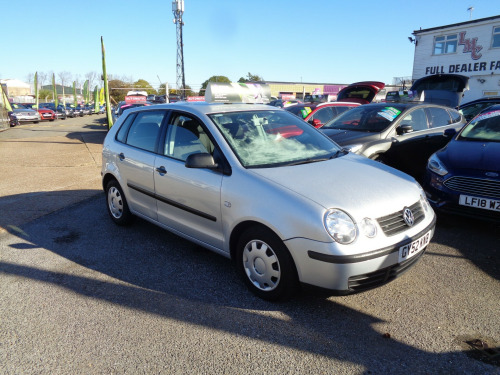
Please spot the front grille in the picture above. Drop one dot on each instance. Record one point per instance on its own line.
(475, 186)
(394, 223)
(373, 279)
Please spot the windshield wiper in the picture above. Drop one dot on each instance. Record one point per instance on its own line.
(314, 160)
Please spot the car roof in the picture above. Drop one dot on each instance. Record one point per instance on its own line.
(204, 108)
(483, 99)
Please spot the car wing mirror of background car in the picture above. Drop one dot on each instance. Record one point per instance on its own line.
(449, 133)
(403, 129)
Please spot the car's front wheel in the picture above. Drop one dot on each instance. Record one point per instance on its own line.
(117, 204)
(266, 266)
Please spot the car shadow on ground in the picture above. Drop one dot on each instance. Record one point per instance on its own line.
(477, 240)
(149, 269)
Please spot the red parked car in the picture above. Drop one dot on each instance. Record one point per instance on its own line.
(318, 114)
(45, 113)
(360, 92)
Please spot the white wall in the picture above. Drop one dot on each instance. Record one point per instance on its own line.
(482, 64)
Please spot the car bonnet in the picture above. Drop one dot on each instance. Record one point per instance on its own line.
(471, 155)
(360, 186)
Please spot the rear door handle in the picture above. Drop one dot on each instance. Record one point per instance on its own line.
(161, 170)
(121, 156)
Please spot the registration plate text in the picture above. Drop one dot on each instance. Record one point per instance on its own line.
(410, 250)
(484, 203)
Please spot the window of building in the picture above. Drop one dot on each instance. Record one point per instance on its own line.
(445, 44)
(496, 37)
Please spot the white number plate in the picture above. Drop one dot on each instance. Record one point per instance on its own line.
(484, 203)
(413, 248)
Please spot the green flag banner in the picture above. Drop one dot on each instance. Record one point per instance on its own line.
(86, 92)
(5, 100)
(36, 89)
(96, 100)
(106, 87)
(56, 101)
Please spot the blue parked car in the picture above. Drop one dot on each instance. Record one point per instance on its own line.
(464, 176)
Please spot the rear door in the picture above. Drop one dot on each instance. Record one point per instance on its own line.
(136, 152)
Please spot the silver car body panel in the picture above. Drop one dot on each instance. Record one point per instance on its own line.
(206, 206)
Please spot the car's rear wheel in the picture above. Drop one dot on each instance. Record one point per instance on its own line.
(266, 266)
(117, 204)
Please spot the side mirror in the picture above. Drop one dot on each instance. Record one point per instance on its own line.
(450, 133)
(201, 160)
(403, 129)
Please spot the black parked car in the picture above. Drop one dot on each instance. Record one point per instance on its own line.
(13, 121)
(402, 135)
(474, 107)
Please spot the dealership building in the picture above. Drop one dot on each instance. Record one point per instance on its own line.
(469, 48)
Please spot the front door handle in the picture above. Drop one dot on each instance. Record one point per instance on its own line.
(161, 170)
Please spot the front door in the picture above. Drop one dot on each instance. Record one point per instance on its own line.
(188, 199)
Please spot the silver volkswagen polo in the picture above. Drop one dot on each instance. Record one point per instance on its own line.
(264, 188)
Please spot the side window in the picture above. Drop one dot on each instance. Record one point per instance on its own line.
(417, 119)
(186, 136)
(455, 116)
(121, 136)
(439, 117)
(145, 129)
(324, 115)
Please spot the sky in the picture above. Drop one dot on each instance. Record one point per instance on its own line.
(315, 41)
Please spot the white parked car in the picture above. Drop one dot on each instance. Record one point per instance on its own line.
(259, 185)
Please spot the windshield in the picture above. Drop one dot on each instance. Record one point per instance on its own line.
(273, 138)
(485, 127)
(17, 106)
(365, 118)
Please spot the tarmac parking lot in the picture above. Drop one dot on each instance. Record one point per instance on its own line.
(82, 295)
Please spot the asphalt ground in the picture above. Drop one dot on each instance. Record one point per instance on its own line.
(81, 295)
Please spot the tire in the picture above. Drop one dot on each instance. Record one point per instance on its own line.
(266, 266)
(117, 205)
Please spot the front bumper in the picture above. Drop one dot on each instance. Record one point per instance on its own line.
(351, 273)
(446, 200)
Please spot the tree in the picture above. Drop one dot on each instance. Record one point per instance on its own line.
(42, 77)
(117, 90)
(204, 85)
(65, 78)
(45, 94)
(145, 86)
(91, 77)
(251, 78)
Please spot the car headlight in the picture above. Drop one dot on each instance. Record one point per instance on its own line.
(340, 226)
(435, 165)
(423, 199)
(353, 148)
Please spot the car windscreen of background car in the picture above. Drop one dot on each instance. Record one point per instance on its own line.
(272, 138)
(485, 127)
(365, 118)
